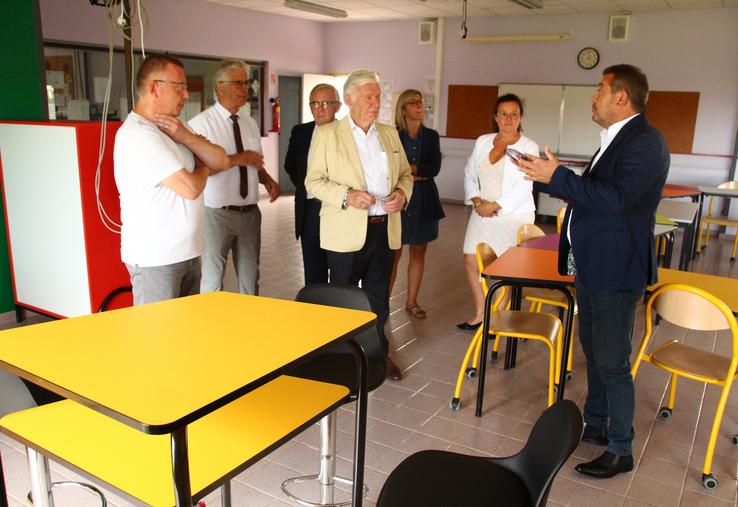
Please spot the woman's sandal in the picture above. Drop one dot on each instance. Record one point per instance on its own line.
(416, 311)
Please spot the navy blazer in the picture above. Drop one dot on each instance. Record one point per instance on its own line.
(295, 163)
(612, 209)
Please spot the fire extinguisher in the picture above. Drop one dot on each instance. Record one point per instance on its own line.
(275, 114)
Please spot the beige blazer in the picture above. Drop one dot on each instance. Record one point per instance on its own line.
(334, 166)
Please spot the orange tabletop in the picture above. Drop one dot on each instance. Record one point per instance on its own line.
(671, 190)
(722, 287)
(527, 265)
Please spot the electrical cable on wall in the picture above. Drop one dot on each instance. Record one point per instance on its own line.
(119, 23)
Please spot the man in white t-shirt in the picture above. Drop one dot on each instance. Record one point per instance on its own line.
(232, 216)
(160, 170)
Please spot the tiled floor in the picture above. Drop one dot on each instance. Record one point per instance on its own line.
(414, 413)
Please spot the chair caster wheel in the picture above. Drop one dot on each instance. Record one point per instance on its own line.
(569, 376)
(471, 372)
(495, 355)
(665, 412)
(709, 481)
(735, 439)
(455, 403)
(732, 259)
(556, 388)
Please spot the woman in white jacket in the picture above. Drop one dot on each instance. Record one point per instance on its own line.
(502, 199)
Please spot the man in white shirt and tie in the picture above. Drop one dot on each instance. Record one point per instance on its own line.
(232, 216)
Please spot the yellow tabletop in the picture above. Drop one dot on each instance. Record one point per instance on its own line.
(722, 287)
(160, 366)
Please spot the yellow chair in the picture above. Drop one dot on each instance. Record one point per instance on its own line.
(710, 219)
(540, 297)
(692, 308)
(560, 219)
(514, 324)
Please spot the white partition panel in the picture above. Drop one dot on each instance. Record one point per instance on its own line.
(44, 211)
(579, 134)
(542, 110)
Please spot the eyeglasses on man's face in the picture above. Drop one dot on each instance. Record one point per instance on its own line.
(322, 104)
(237, 82)
(180, 86)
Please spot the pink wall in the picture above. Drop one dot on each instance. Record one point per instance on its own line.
(292, 46)
(693, 50)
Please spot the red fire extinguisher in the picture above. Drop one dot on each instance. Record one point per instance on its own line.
(275, 114)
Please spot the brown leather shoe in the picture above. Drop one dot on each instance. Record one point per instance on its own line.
(393, 372)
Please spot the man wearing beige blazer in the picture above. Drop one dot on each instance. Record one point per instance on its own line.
(358, 169)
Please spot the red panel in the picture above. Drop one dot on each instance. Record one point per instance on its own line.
(106, 271)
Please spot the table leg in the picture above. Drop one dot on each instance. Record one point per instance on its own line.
(567, 341)
(482, 365)
(686, 245)
(362, 364)
(181, 468)
(669, 249)
(225, 494)
(3, 493)
(511, 349)
(695, 237)
(38, 466)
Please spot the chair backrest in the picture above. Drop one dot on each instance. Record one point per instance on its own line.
(552, 440)
(485, 256)
(354, 298)
(560, 218)
(529, 231)
(691, 308)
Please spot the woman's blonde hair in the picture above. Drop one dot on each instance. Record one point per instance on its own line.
(402, 101)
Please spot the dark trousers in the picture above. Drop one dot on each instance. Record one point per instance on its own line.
(313, 257)
(605, 330)
(372, 266)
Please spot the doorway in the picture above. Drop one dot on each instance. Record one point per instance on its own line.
(290, 93)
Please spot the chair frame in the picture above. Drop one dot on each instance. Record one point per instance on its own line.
(709, 219)
(709, 480)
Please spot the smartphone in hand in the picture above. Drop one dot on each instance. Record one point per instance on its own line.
(515, 155)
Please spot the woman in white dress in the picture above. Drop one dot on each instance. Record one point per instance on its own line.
(502, 199)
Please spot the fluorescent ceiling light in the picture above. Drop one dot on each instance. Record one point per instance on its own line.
(323, 10)
(530, 4)
(519, 38)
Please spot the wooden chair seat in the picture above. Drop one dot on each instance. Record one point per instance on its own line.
(535, 326)
(690, 361)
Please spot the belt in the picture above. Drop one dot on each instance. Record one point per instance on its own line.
(377, 219)
(241, 209)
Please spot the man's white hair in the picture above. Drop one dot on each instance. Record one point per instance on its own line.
(222, 70)
(358, 78)
(325, 86)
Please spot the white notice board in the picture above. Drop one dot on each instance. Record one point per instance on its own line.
(579, 134)
(542, 110)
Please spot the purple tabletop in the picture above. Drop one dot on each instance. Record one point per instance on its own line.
(549, 242)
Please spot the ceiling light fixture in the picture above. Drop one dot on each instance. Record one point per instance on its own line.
(323, 10)
(554, 37)
(530, 4)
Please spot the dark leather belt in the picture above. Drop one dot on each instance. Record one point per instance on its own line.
(240, 209)
(377, 219)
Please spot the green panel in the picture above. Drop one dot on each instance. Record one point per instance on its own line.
(22, 94)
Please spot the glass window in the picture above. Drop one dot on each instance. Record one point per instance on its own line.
(76, 79)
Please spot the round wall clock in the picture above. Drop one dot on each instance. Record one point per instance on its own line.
(588, 58)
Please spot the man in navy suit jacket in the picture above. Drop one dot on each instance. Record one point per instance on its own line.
(607, 242)
(324, 104)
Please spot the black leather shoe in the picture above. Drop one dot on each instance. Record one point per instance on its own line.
(393, 372)
(595, 435)
(606, 466)
(465, 326)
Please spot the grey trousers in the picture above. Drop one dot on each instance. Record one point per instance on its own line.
(239, 232)
(159, 283)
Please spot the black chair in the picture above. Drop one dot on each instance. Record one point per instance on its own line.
(337, 366)
(441, 478)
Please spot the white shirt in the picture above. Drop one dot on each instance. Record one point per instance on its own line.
(222, 189)
(374, 163)
(159, 227)
(606, 137)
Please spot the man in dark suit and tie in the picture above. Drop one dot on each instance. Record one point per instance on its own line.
(324, 104)
(607, 243)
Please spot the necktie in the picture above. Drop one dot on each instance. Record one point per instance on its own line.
(243, 187)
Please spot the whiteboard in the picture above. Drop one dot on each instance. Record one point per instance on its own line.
(579, 134)
(558, 116)
(542, 111)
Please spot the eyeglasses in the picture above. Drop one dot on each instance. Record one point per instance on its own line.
(322, 104)
(238, 82)
(512, 116)
(179, 86)
(416, 102)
